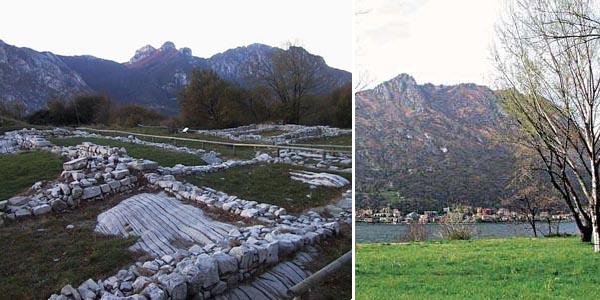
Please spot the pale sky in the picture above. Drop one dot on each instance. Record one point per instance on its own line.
(437, 41)
(113, 29)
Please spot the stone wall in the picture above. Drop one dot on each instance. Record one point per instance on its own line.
(291, 133)
(210, 270)
(92, 173)
(203, 271)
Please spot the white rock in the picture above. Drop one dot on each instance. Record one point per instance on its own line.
(249, 213)
(75, 164)
(42, 209)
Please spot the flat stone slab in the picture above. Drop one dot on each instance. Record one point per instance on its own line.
(75, 164)
(323, 179)
(18, 201)
(273, 284)
(161, 222)
(144, 165)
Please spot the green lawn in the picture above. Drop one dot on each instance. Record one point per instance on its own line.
(20, 171)
(269, 183)
(39, 256)
(226, 151)
(518, 268)
(164, 158)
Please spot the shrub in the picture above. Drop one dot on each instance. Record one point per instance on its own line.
(415, 233)
(456, 232)
(453, 228)
(132, 114)
(85, 109)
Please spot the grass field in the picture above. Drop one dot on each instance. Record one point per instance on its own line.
(39, 256)
(20, 171)
(226, 151)
(518, 268)
(268, 183)
(163, 157)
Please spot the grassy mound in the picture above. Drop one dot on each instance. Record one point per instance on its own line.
(269, 183)
(20, 171)
(164, 158)
(519, 268)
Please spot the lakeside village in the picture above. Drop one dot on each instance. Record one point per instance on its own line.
(470, 214)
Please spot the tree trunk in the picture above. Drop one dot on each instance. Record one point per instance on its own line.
(595, 234)
(586, 233)
(594, 200)
(533, 226)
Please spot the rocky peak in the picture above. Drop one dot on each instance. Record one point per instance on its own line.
(402, 89)
(168, 46)
(399, 83)
(142, 53)
(405, 79)
(186, 51)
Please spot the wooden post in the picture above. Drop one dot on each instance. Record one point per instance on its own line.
(314, 279)
(233, 146)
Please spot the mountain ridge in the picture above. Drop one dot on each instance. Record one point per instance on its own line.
(152, 77)
(436, 145)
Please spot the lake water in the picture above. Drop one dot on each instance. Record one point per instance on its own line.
(383, 233)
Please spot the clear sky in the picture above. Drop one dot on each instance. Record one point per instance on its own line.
(437, 41)
(113, 29)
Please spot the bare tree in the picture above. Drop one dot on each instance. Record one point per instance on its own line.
(292, 75)
(204, 101)
(12, 109)
(529, 194)
(547, 59)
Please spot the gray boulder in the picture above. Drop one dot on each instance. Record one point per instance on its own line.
(209, 267)
(211, 158)
(42, 209)
(18, 201)
(58, 205)
(22, 213)
(75, 164)
(91, 192)
(70, 292)
(226, 263)
(153, 292)
(175, 285)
